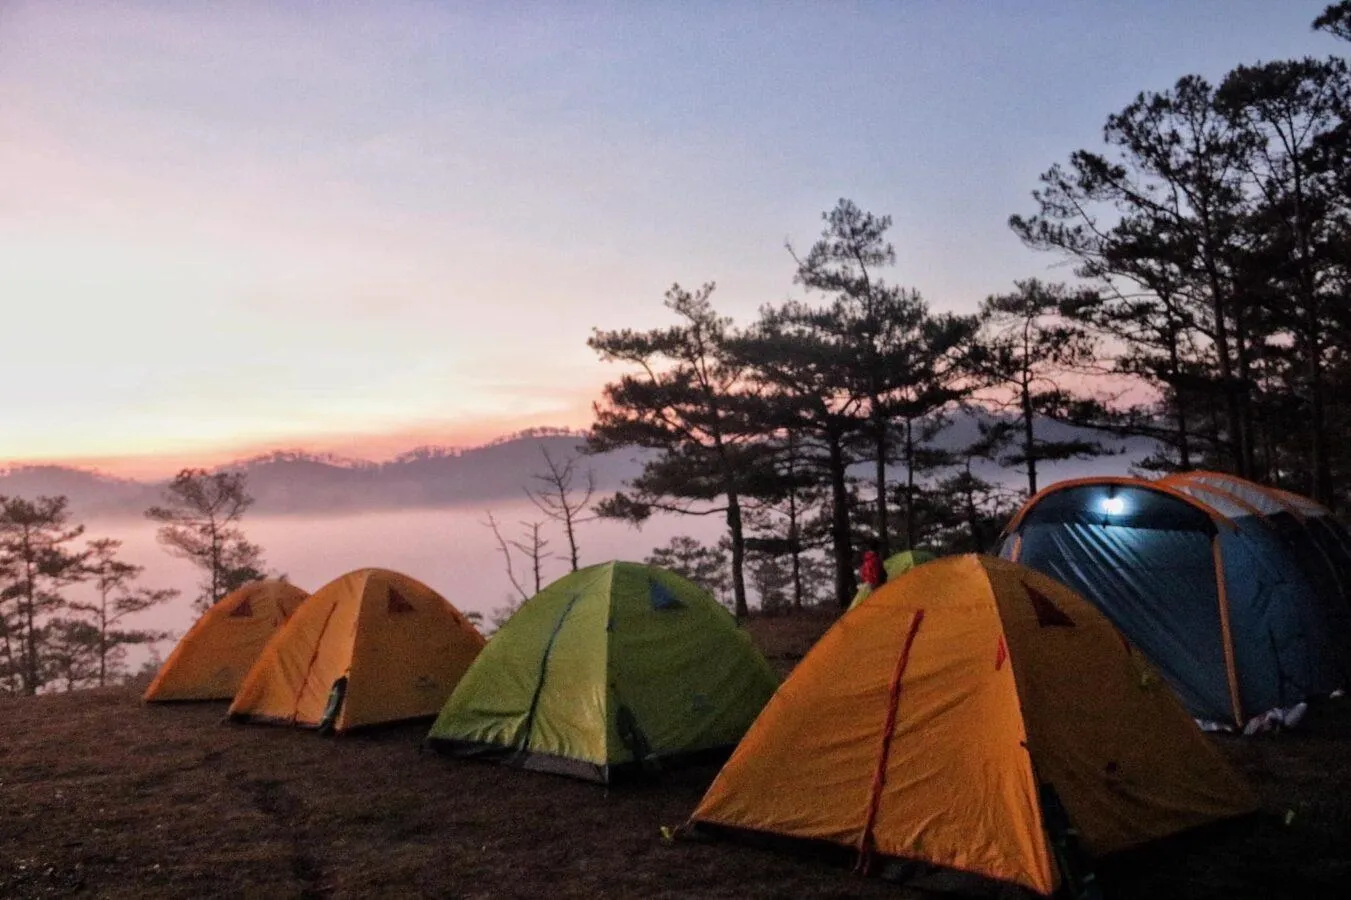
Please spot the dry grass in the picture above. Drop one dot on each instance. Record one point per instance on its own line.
(101, 796)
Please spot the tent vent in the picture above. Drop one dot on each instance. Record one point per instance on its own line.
(244, 610)
(397, 603)
(1048, 614)
(661, 597)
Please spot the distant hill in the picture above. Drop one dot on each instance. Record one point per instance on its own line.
(288, 482)
(297, 482)
(90, 493)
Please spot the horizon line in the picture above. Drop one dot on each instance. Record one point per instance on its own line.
(154, 463)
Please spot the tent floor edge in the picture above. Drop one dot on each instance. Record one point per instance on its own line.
(655, 766)
(910, 873)
(612, 774)
(184, 701)
(521, 759)
(371, 728)
(255, 719)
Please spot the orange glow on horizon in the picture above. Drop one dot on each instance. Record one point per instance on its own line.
(376, 447)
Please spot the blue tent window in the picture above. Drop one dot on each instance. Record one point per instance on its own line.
(660, 596)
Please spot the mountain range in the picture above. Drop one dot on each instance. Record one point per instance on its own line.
(297, 482)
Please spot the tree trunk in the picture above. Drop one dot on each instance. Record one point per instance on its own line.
(1216, 428)
(1318, 433)
(738, 554)
(216, 566)
(10, 666)
(973, 520)
(1179, 404)
(572, 538)
(1025, 402)
(103, 639)
(1029, 441)
(794, 548)
(1235, 439)
(30, 663)
(1269, 468)
(797, 572)
(841, 539)
(31, 672)
(910, 529)
(1321, 474)
(1247, 466)
(535, 555)
(880, 450)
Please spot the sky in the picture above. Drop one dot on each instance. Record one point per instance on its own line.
(362, 227)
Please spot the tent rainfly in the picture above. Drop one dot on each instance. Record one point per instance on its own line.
(1237, 593)
(371, 647)
(217, 652)
(977, 716)
(613, 669)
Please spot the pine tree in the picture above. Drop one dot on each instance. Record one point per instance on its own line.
(200, 523)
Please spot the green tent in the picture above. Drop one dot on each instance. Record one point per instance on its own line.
(895, 565)
(618, 667)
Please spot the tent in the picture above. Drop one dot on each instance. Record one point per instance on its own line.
(213, 657)
(1214, 578)
(968, 715)
(371, 647)
(1307, 528)
(895, 564)
(616, 668)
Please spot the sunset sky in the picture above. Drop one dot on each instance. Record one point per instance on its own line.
(359, 227)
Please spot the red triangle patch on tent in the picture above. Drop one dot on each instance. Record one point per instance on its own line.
(397, 604)
(1048, 614)
(242, 610)
(1001, 654)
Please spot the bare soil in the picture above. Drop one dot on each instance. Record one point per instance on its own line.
(101, 796)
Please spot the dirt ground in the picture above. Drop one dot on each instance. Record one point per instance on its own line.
(102, 796)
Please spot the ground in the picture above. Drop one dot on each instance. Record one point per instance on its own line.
(103, 796)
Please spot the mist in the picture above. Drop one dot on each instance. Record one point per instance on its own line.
(450, 549)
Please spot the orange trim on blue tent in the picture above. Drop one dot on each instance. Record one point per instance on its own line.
(1226, 636)
(1125, 481)
(1297, 500)
(1200, 484)
(1204, 476)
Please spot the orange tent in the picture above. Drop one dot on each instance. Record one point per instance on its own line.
(954, 714)
(212, 658)
(372, 646)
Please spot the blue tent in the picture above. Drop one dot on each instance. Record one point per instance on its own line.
(1229, 593)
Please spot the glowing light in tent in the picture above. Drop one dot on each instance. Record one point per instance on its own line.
(1113, 506)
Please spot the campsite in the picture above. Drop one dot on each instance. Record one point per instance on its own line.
(969, 724)
(169, 801)
(730, 450)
